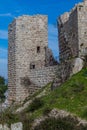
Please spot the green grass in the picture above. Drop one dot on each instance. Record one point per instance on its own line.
(8, 117)
(39, 92)
(70, 96)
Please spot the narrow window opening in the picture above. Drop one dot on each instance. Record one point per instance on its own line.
(80, 7)
(82, 44)
(73, 35)
(32, 66)
(38, 49)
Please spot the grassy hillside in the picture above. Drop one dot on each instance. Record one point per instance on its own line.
(71, 96)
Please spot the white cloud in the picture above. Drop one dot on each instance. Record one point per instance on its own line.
(3, 34)
(6, 15)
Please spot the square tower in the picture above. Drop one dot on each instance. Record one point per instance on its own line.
(28, 38)
(73, 32)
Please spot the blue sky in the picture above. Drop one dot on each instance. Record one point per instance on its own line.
(9, 9)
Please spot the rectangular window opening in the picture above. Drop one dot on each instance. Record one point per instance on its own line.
(32, 66)
(38, 49)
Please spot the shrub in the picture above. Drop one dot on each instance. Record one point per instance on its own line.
(78, 87)
(3, 89)
(27, 121)
(85, 73)
(67, 123)
(2, 80)
(8, 117)
(46, 110)
(84, 115)
(55, 124)
(35, 105)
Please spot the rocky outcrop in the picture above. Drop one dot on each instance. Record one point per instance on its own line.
(60, 114)
(16, 126)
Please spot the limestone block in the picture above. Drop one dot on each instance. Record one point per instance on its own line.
(17, 126)
(85, 1)
(5, 127)
(1, 127)
(77, 65)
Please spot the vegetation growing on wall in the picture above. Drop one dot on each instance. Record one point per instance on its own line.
(3, 88)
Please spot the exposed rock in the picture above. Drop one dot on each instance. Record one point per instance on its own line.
(60, 114)
(17, 126)
(24, 106)
(77, 65)
(1, 127)
(5, 127)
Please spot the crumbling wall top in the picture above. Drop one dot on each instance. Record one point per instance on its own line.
(63, 18)
(85, 2)
(29, 16)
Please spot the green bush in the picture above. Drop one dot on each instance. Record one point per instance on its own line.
(84, 115)
(67, 123)
(27, 120)
(3, 89)
(85, 74)
(46, 110)
(2, 80)
(8, 117)
(78, 87)
(35, 105)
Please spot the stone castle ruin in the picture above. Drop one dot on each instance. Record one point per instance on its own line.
(31, 64)
(73, 32)
(29, 56)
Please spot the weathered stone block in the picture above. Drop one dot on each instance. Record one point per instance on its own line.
(17, 126)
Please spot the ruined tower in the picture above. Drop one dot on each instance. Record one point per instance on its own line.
(73, 32)
(28, 40)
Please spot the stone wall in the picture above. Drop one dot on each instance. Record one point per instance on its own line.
(12, 60)
(68, 35)
(43, 76)
(73, 32)
(82, 28)
(31, 64)
(28, 39)
(31, 37)
(28, 50)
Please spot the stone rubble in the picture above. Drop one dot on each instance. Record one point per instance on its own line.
(15, 126)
